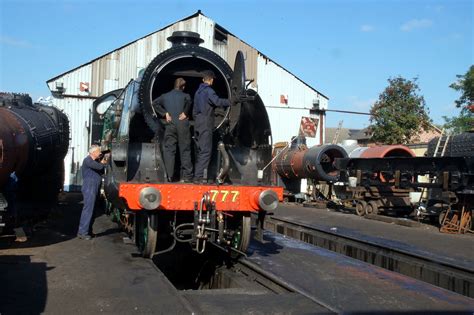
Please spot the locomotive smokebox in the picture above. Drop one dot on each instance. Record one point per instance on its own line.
(315, 163)
(244, 127)
(188, 60)
(32, 137)
(34, 140)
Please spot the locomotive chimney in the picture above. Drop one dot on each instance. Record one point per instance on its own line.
(185, 38)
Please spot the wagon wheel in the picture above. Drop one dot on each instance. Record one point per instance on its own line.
(372, 207)
(147, 233)
(242, 236)
(361, 207)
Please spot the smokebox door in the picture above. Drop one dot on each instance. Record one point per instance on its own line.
(238, 78)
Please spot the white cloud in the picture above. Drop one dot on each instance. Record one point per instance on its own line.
(9, 41)
(366, 28)
(415, 24)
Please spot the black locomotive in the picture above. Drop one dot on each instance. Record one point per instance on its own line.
(34, 140)
(159, 213)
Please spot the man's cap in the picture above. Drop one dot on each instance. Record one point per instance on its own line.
(208, 74)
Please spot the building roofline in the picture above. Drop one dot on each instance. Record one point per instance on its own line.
(265, 56)
(184, 19)
(89, 62)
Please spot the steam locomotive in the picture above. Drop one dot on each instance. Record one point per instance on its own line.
(158, 213)
(34, 140)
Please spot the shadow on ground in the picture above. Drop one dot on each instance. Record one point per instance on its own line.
(59, 225)
(26, 290)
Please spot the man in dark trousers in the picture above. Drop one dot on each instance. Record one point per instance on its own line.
(174, 107)
(205, 100)
(91, 179)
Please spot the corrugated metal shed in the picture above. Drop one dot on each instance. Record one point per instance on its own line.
(287, 97)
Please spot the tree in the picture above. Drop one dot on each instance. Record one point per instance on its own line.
(465, 120)
(399, 113)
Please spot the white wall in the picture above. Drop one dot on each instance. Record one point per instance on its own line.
(274, 81)
(77, 111)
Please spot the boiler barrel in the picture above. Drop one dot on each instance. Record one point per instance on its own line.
(315, 163)
(32, 137)
(381, 151)
(457, 146)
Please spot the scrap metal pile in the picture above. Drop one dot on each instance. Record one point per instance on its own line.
(390, 178)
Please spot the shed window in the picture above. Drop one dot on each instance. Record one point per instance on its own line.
(220, 35)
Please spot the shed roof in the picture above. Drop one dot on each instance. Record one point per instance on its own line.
(344, 134)
(184, 19)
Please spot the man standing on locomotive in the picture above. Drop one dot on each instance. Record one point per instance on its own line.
(91, 179)
(174, 107)
(205, 100)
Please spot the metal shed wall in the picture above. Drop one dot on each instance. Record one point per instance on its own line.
(273, 82)
(78, 112)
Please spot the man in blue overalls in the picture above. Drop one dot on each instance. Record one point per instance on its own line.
(91, 179)
(174, 107)
(205, 100)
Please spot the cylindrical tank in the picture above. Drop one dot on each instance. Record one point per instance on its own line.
(316, 162)
(457, 146)
(384, 151)
(379, 151)
(34, 140)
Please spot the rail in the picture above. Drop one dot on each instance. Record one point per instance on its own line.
(456, 277)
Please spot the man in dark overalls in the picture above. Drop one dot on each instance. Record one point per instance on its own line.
(174, 107)
(205, 100)
(91, 179)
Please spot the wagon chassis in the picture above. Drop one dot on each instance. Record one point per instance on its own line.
(451, 181)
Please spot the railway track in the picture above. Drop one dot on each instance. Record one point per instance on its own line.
(272, 282)
(220, 285)
(281, 274)
(453, 275)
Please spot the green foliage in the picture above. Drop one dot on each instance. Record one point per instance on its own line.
(400, 113)
(465, 120)
(465, 84)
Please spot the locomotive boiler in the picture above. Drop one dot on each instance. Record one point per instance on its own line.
(159, 213)
(34, 140)
(296, 161)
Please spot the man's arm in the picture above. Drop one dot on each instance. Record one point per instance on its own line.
(159, 108)
(216, 101)
(187, 104)
(94, 164)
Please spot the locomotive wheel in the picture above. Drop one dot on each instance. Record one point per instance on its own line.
(441, 216)
(243, 234)
(372, 207)
(361, 207)
(148, 234)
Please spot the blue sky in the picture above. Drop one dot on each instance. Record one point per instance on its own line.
(345, 49)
